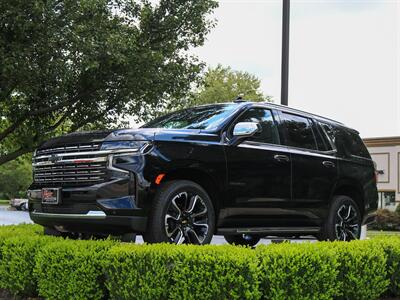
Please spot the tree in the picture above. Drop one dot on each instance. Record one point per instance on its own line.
(69, 64)
(224, 84)
(15, 177)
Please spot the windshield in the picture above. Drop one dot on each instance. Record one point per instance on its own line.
(203, 117)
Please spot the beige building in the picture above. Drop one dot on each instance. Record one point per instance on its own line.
(385, 152)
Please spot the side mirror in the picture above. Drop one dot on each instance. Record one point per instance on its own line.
(245, 129)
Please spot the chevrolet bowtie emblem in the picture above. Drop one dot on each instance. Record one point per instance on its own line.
(54, 158)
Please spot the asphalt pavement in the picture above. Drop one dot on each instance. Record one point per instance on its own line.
(13, 217)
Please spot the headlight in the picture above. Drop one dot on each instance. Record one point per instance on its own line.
(117, 145)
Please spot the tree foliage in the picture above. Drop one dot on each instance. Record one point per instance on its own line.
(69, 64)
(15, 177)
(222, 84)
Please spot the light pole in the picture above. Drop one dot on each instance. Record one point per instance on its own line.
(285, 51)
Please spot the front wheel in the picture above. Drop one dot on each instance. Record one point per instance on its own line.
(344, 221)
(182, 213)
(242, 239)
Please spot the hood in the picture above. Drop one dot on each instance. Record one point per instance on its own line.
(140, 134)
(76, 138)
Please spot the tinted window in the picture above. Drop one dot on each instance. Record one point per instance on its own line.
(346, 142)
(269, 132)
(203, 117)
(328, 134)
(322, 144)
(354, 144)
(298, 131)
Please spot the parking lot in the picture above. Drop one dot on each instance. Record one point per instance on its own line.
(13, 217)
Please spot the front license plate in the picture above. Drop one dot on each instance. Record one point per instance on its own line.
(51, 195)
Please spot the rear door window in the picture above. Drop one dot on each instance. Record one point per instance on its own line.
(329, 135)
(298, 131)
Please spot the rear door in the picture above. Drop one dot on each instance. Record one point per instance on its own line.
(314, 167)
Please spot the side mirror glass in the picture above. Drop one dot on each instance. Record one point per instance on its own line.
(245, 129)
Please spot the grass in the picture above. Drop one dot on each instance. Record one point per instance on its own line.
(375, 233)
(4, 202)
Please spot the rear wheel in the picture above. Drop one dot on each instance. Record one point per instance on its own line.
(344, 221)
(128, 237)
(52, 232)
(242, 239)
(182, 213)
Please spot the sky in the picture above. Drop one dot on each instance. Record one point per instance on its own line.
(344, 56)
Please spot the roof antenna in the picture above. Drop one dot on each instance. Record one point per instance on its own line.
(239, 98)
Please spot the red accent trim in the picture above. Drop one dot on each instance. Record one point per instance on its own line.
(159, 178)
(79, 161)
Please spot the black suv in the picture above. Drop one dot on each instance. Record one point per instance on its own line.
(243, 170)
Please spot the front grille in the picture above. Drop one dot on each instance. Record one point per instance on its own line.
(71, 165)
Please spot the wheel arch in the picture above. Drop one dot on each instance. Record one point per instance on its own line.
(202, 178)
(352, 190)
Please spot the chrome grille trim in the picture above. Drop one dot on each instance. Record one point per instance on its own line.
(92, 156)
(71, 148)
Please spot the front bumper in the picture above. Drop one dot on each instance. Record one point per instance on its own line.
(106, 208)
(91, 222)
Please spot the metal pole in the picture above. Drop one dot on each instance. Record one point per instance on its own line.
(285, 51)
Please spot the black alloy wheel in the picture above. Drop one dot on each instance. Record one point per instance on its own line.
(343, 222)
(182, 214)
(347, 223)
(186, 220)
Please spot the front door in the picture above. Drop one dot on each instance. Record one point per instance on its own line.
(259, 175)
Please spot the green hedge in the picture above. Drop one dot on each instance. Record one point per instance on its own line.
(299, 272)
(72, 269)
(32, 264)
(188, 272)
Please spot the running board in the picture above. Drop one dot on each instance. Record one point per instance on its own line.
(270, 230)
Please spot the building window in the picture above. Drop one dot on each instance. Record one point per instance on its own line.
(387, 199)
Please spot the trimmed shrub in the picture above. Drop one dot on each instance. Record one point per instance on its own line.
(362, 269)
(32, 264)
(19, 230)
(140, 272)
(17, 263)
(72, 269)
(182, 272)
(215, 272)
(293, 271)
(391, 246)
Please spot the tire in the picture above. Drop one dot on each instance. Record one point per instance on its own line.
(182, 212)
(343, 222)
(128, 238)
(52, 232)
(242, 239)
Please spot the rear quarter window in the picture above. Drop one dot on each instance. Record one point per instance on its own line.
(347, 142)
(350, 144)
(355, 145)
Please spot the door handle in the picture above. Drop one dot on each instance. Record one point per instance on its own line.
(281, 158)
(328, 164)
